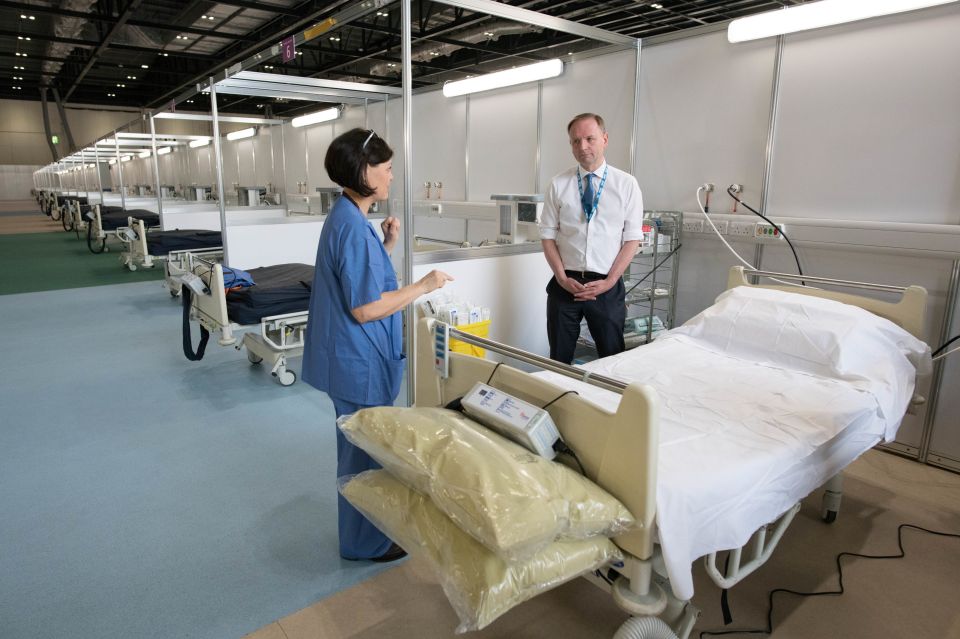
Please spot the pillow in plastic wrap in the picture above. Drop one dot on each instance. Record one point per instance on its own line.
(480, 585)
(506, 497)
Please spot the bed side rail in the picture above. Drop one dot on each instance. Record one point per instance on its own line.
(618, 451)
(908, 313)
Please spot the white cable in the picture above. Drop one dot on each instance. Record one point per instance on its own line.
(942, 355)
(717, 231)
(737, 255)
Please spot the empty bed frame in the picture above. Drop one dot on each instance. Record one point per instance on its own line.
(271, 315)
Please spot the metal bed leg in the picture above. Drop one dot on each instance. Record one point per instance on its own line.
(832, 494)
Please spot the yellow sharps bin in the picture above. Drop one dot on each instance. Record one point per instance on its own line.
(480, 329)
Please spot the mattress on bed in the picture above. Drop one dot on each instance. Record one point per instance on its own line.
(744, 436)
(114, 219)
(163, 242)
(279, 289)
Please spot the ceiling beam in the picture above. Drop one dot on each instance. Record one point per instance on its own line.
(114, 30)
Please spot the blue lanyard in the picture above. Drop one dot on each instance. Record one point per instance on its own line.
(596, 198)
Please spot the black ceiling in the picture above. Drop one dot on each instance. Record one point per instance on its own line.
(142, 53)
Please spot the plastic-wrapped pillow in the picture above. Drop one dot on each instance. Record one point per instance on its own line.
(511, 500)
(480, 585)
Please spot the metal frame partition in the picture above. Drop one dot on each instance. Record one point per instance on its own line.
(240, 80)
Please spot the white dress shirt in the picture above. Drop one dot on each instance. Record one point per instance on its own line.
(592, 246)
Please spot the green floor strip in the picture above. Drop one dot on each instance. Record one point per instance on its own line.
(51, 261)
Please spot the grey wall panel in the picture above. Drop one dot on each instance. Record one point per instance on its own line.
(440, 128)
(503, 142)
(602, 85)
(868, 126)
(704, 117)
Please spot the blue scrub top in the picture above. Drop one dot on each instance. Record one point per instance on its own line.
(354, 362)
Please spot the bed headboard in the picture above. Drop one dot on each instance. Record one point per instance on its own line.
(618, 450)
(908, 313)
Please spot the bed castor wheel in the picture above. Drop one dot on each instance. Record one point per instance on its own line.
(286, 378)
(829, 516)
(132, 266)
(254, 358)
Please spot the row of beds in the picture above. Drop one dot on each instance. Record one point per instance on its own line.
(628, 444)
(267, 318)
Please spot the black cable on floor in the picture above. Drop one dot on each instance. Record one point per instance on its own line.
(823, 593)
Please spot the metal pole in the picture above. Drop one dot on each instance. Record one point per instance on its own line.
(408, 189)
(156, 170)
(466, 150)
(96, 155)
(536, 173)
(636, 113)
(219, 163)
(940, 364)
(116, 146)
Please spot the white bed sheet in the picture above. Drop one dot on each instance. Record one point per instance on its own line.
(740, 441)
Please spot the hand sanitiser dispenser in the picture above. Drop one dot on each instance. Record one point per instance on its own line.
(515, 419)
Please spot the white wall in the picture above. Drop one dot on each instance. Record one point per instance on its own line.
(16, 181)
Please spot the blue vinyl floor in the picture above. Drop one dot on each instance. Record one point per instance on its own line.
(143, 495)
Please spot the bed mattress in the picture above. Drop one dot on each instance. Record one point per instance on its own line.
(279, 289)
(163, 242)
(743, 437)
(114, 219)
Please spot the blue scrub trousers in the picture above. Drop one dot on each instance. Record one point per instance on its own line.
(359, 539)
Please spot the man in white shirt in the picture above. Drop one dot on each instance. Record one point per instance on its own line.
(591, 227)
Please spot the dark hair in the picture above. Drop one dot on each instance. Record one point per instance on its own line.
(587, 116)
(350, 154)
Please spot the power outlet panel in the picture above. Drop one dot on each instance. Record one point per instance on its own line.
(764, 231)
(692, 226)
(723, 227)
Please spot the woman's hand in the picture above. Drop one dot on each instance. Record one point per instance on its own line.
(391, 232)
(434, 280)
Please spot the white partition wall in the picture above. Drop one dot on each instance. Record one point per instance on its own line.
(868, 124)
(704, 117)
(866, 128)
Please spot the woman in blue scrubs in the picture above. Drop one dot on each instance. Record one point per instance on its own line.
(354, 336)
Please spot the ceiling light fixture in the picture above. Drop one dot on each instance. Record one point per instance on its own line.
(164, 150)
(818, 14)
(242, 133)
(125, 158)
(316, 117)
(143, 154)
(196, 144)
(510, 77)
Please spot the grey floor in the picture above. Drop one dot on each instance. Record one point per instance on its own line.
(142, 495)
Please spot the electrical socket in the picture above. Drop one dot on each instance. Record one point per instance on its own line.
(692, 226)
(743, 229)
(722, 227)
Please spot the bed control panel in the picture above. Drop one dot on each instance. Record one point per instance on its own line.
(528, 425)
(441, 351)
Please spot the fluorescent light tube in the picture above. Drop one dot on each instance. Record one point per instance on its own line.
(510, 77)
(241, 134)
(316, 117)
(164, 150)
(818, 14)
(143, 154)
(125, 158)
(111, 161)
(196, 144)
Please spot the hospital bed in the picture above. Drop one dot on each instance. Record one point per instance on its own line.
(101, 219)
(145, 245)
(710, 448)
(271, 315)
